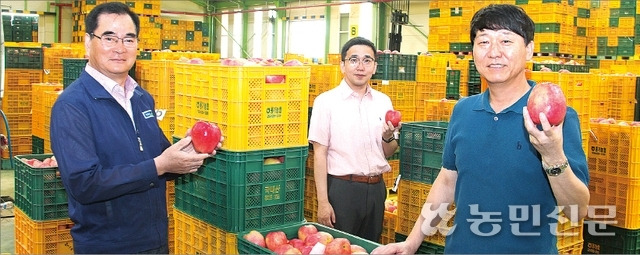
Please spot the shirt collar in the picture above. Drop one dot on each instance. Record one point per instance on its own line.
(483, 103)
(345, 91)
(107, 83)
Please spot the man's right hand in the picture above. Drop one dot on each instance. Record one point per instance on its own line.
(326, 215)
(179, 158)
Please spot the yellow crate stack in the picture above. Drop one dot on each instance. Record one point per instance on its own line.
(52, 61)
(16, 105)
(42, 237)
(323, 78)
(157, 78)
(194, 236)
(43, 96)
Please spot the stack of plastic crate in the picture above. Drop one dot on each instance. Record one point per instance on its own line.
(256, 180)
(43, 95)
(42, 224)
(23, 62)
(614, 168)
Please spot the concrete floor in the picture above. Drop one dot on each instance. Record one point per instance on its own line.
(7, 237)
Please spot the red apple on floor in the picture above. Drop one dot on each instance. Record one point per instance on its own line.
(357, 249)
(205, 136)
(255, 237)
(306, 230)
(393, 116)
(338, 246)
(547, 98)
(274, 239)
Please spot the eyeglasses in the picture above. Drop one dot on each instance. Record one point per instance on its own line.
(367, 61)
(109, 41)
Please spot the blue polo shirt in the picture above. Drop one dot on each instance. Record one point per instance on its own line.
(504, 200)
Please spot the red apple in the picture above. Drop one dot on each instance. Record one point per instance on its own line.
(394, 116)
(357, 249)
(306, 250)
(271, 161)
(312, 239)
(274, 239)
(547, 98)
(297, 243)
(274, 79)
(325, 237)
(293, 62)
(255, 237)
(281, 159)
(205, 136)
(198, 61)
(306, 230)
(286, 249)
(338, 246)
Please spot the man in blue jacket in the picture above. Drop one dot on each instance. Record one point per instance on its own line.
(114, 159)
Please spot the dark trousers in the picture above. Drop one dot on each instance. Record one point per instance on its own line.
(359, 207)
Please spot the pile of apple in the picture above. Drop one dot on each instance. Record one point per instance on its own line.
(258, 62)
(36, 163)
(308, 241)
(390, 205)
(387, 51)
(613, 121)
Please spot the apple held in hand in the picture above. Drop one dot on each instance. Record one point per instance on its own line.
(547, 97)
(394, 116)
(205, 136)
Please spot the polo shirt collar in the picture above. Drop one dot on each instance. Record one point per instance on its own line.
(483, 103)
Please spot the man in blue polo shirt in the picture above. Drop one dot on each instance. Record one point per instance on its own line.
(507, 178)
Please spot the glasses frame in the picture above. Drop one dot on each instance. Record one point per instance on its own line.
(353, 63)
(105, 43)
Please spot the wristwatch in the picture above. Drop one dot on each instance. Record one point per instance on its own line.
(557, 169)
(393, 137)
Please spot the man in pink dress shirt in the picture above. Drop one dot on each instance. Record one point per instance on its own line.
(351, 142)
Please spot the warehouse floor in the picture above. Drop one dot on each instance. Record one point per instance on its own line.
(7, 238)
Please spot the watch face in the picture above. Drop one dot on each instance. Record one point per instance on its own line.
(555, 171)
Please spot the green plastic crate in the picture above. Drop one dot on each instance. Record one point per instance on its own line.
(623, 241)
(71, 69)
(421, 147)
(584, 13)
(549, 47)
(37, 145)
(434, 13)
(547, 28)
(453, 84)
(396, 67)
(39, 192)
(25, 58)
(236, 191)
(246, 247)
(425, 247)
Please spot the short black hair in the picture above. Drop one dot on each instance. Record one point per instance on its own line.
(503, 16)
(91, 21)
(357, 41)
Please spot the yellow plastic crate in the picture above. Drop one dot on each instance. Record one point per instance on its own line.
(616, 149)
(42, 237)
(402, 93)
(194, 236)
(389, 223)
(252, 114)
(438, 110)
(334, 59)
(37, 113)
(390, 177)
(622, 194)
(571, 249)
